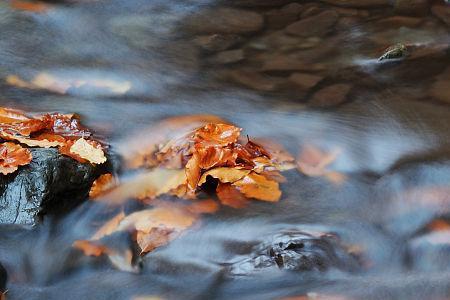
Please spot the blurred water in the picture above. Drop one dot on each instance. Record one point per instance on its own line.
(129, 64)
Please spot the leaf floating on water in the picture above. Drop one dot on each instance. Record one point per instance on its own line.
(12, 156)
(90, 248)
(109, 227)
(102, 184)
(88, 150)
(259, 187)
(35, 6)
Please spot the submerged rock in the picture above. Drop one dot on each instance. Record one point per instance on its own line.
(224, 20)
(317, 25)
(412, 7)
(331, 95)
(51, 184)
(299, 251)
(358, 3)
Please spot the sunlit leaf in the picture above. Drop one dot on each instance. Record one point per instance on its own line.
(102, 184)
(217, 134)
(88, 150)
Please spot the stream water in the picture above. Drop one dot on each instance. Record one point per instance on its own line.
(124, 65)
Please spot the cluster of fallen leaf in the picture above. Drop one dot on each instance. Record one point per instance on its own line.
(49, 130)
(201, 156)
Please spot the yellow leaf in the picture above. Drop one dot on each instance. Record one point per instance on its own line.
(224, 174)
(87, 151)
(259, 187)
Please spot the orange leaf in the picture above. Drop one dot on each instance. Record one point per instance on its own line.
(90, 248)
(224, 174)
(102, 184)
(28, 6)
(259, 187)
(109, 227)
(12, 156)
(217, 134)
(229, 195)
(203, 207)
(157, 237)
(65, 125)
(313, 162)
(193, 171)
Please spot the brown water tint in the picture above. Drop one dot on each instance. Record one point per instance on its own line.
(299, 72)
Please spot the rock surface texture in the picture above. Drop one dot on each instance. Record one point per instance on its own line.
(51, 184)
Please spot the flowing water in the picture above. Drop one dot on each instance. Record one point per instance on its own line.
(124, 65)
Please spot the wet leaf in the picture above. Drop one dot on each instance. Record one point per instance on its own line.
(65, 125)
(217, 134)
(313, 162)
(259, 187)
(224, 174)
(34, 6)
(88, 150)
(229, 195)
(102, 184)
(12, 156)
(109, 227)
(203, 207)
(193, 172)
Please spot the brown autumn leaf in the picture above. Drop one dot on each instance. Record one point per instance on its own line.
(229, 195)
(217, 134)
(44, 140)
(65, 125)
(102, 184)
(193, 172)
(109, 227)
(12, 156)
(259, 187)
(207, 206)
(225, 175)
(90, 248)
(10, 116)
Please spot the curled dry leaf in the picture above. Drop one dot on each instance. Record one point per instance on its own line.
(12, 156)
(87, 150)
(217, 134)
(102, 184)
(259, 187)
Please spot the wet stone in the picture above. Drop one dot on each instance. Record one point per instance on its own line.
(358, 3)
(258, 3)
(217, 42)
(440, 90)
(304, 81)
(331, 95)
(299, 251)
(255, 80)
(412, 7)
(224, 20)
(399, 21)
(280, 18)
(317, 25)
(310, 9)
(227, 57)
(51, 184)
(442, 13)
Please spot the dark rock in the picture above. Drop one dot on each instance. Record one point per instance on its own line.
(224, 20)
(412, 7)
(299, 251)
(331, 95)
(51, 184)
(304, 81)
(442, 12)
(258, 3)
(399, 21)
(290, 63)
(358, 3)
(317, 25)
(254, 80)
(280, 18)
(217, 42)
(3, 279)
(310, 9)
(227, 57)
(440, 90)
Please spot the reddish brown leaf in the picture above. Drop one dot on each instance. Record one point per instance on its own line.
(217, 134)
(12, 156)
(203, 207)
(230, 196)
(224, 174)
(259, 187)
(65, 125)
(109, 227)
(313, 162)
(193, 172)
(28, 5)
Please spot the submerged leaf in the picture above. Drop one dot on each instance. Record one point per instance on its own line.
(229, 195)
